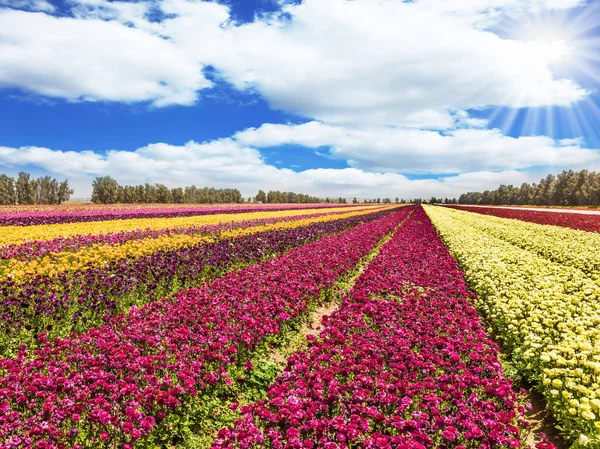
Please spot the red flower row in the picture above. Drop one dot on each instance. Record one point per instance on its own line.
(404, 363)
(581, 221)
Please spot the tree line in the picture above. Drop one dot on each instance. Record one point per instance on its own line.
(27, 190)
(569, 188)
(275, 196)
(106, 190)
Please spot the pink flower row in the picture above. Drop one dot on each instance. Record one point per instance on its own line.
(404, 363)
(29, 218)
(34, 249)
(114, 384)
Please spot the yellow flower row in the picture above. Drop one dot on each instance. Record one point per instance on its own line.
(101, 254)
(567, 246)
(547, 313)
(20, 234)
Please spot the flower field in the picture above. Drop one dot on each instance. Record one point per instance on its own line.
(115, 383)
(80, 299)
(539, 288)
(583, 221)
(405, 363)
(28, 215)
(159, 330)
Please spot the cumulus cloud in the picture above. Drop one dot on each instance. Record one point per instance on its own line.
(380, 62)
(384, 62)
(423, 151)
(236, 162)
(94, 60)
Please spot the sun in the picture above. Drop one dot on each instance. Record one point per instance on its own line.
(569, 43)
(561, 39)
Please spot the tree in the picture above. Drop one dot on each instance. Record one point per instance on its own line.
(104, 190)
(25, 189)
(162, 194)
(177, 195)
(64, 192)
(569, 188)
(8, 194)
(261, 197)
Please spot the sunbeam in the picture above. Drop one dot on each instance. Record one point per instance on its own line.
(568, 43)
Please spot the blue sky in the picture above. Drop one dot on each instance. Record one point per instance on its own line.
(328, 97)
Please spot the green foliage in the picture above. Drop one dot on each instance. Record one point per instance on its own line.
(569, 188)
(8, 194)
(25, 190)
(275, 196)
(106, 190)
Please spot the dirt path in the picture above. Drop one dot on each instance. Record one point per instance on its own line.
(541, 421)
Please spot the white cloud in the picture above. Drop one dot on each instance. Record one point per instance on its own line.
(381, 62)
(422, 151)
(231, 162)
(94, 60)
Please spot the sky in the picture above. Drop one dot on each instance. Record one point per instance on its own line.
(351, 98)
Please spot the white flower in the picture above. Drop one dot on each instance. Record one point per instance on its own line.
(583, 440)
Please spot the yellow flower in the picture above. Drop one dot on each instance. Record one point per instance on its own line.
(21, 234)
(540, 288)
(100, 254)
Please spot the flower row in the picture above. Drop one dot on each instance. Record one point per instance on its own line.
(39, 248)
(583, 221)
(77, 301)
(578, 249)
(404, 363)
(547, 314)
(98, 254)
(115, 384)
(13, 235)
(44, 217)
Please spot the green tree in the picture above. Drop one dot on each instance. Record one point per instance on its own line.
(261, 197)
(177, 195)
(8, 194)
(64, 192)
(25, 188)
(105, 190)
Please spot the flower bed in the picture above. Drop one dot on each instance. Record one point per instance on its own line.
(14, 235)
(39, 248)
(584, 222)
(77, 301)
(546, 313)
(574, 248)
(404, 363)
(99, 254)
(85, 214)
(114, 385)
